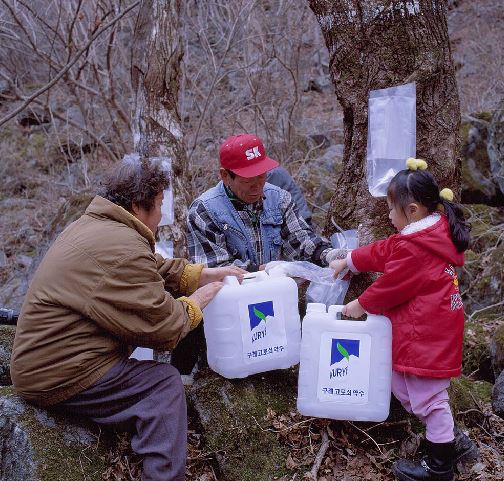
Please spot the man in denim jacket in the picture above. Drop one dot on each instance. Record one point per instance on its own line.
(247, 222)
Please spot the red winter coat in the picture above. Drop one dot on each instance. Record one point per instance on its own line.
(419, 293)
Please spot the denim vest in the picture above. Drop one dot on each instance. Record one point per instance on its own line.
(238, 241)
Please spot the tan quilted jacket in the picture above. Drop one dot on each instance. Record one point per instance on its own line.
(99, 290)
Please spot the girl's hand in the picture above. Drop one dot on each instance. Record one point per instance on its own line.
(338, 265)
(353, 309)
(217, 274)
(205, 294)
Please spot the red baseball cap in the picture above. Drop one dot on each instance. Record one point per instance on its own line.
(245, 155)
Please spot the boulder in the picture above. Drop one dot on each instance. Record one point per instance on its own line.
(498, 396)
(495, 145)
(6, 341)
(3, 259)
(476, 358)
(497, 351)
(38, 445)
(482, 278)
(232, 417)
(34, 116)
(478, 184)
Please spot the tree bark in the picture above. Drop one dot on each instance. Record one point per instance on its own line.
(155, 73)
(378, 44)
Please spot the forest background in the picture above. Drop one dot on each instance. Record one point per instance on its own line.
(248, 66)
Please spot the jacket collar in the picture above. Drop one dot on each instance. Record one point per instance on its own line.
(421, 224)
(103, 208)
(239, 204)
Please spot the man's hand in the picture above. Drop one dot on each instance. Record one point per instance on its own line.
(205, 294)
(334, 254)
(213, 274)
(338, 265)
(353, 309)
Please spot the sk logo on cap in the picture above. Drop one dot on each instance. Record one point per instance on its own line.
(253, 153)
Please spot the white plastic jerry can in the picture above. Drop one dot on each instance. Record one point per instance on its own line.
(253, 327)
(345, 367)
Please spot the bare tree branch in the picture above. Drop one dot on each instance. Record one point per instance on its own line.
(67, 67)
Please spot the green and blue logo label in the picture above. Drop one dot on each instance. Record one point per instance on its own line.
(342, 349)
(257, 314)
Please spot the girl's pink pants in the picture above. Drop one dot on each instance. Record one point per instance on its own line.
(427, 398)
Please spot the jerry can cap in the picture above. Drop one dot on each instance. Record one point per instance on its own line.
(315, 307)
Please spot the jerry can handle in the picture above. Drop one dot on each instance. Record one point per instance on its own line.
(335, 308)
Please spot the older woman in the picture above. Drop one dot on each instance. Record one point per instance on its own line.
(99, 290)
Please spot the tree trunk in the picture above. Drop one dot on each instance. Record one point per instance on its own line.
(378, 44)
(155, 72)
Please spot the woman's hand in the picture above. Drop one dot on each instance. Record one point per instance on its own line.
(353, 309)
(205, 294)
(338, 265)
(217, 274)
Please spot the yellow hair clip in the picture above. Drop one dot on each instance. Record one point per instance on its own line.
(446, 194)
(416, 164)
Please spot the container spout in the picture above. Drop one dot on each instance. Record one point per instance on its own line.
(316, 307)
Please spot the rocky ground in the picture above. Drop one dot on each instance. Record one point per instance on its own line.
(39, 181)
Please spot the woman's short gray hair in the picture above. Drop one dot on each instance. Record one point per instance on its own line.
(135, 181)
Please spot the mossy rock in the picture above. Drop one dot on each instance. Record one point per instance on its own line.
(40, 445)
(476, 354)
(497, 350)
(486, 116)
(482, 279)
(498, 396)
(466, 395)
(6, 340)
(232, 416)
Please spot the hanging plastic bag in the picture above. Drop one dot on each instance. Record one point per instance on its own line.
(167, 207)
(391, 134)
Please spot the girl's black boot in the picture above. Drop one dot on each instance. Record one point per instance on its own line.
(437, 465)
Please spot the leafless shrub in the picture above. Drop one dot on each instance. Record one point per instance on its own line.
(477, 35)
(247, 63)
(70, 58)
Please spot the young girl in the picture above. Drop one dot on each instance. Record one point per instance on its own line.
(419, 292)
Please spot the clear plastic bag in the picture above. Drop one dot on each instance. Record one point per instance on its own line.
(391, 134)
(167, 207)
(323, 287)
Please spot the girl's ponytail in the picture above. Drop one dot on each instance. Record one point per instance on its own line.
(459, 228)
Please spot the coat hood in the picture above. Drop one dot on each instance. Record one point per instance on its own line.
(436, 239)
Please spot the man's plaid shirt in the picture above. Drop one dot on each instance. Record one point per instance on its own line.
(207, 240)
